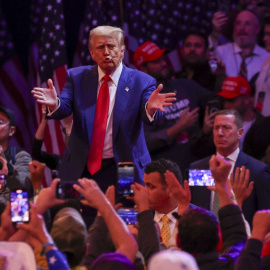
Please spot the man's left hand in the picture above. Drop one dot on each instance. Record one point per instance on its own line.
(158, 101)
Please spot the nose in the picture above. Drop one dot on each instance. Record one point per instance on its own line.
(220, 132)
(106, 50)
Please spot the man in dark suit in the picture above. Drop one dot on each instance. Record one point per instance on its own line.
(227, 133)
(132, 99)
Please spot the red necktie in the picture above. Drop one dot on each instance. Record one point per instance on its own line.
(99, 130)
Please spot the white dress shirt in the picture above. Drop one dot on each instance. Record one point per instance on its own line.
(230, 55)
(158, 216)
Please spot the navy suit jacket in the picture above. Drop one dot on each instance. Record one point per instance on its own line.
(79, 97)
(259, 173)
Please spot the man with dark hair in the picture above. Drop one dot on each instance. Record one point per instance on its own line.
(170, 139)
(161, 165)
(13, 160)
(161, 199)
(227, 132)
(198, 232)
(195, 59)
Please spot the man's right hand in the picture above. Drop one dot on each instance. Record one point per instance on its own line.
(46, 96)
(209, 119)
(188, 118)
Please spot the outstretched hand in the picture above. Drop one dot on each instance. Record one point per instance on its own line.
(46, 96)
(158, 101)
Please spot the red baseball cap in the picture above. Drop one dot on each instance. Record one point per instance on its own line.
(233, 87)
(147, 52)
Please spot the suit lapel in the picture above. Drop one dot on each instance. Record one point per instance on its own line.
(124, 91)
(89, 87)
(241, 160)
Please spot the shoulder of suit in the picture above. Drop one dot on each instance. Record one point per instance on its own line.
(81, 69)
(201, 163)
(256, 164)
(136, 72)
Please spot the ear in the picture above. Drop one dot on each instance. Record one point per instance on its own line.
(12, 130)
(122, 51)
(92, 54)
(240, 132)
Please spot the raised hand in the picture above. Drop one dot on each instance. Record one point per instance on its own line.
(140, 197)
(93, 195)
(181, 194)
(219, 20)
(208, 122)
(36, 173)
(240, 184)
(220, 169)
(46, 96)
(158, 101)
(47, 198)
(188, 118)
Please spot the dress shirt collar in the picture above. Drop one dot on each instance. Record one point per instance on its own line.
(115, 76)
(159, 215)
(238, 50)
(233, 156)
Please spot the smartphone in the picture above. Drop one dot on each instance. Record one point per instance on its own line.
(65, 191)
(215, 105)
(213, 64)
(128, 215)
(125, 171)
(224, 6)
(2, 183)
(19, 206)
(200, 178)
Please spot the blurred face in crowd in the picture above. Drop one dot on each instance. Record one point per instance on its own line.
(194, 50)
(157, 68)
(266, 37)
(246, 28)
(226, 134)
(158, 194)
(242, 104)
(106, 52)
(6, 131)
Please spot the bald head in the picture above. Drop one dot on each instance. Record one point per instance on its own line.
(246, 28)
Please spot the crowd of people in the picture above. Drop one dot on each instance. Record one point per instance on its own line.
(212, 116)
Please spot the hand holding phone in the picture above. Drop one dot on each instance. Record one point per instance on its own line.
(65, 191)
(125, 178)
(19, 206)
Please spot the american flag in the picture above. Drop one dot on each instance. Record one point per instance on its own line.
(96, 13)
(164, 23)
(48, 60)
(14, 90)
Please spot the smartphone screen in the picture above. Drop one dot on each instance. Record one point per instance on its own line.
(128, 215)
(19, 206)
(200, 178)
(65, 191)
(125, 178)
(2, 182)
